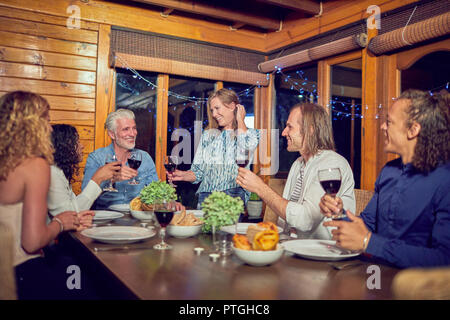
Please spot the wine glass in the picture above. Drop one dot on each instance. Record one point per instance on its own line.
(163, 210)
(111, 158)
(134, 161)
(242, 157)
(330, 179)
(170, 163)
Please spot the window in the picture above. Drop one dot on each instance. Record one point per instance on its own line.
(346, 112)
(139, 96)
(292, 87)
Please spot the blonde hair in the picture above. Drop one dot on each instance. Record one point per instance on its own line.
(316, 127)
(25, 130)
(227, 97)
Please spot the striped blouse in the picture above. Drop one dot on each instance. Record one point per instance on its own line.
(214, 163)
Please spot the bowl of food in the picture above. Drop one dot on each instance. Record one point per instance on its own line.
(259, 247)
(184, 225)
(141, 211)
(259, 258)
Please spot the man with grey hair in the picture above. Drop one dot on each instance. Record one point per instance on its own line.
(121, 128)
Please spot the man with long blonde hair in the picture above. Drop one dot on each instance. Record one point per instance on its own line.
(308, 131)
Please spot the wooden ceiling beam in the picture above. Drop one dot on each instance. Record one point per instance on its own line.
(307, 6)
(217, 12)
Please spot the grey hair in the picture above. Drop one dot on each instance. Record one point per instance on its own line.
(110, 123)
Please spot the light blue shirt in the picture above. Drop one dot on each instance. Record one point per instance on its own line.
(214, 163)
(146, 175)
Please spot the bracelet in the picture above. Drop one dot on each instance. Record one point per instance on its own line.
(60, 223)
(365, 241)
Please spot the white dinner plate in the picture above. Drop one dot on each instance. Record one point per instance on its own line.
(121, 207)
(106, 216)
(324, 250)
(118, 234)
(197, 213)
(241, 228)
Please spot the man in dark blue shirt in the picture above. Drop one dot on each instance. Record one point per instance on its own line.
(407, 222)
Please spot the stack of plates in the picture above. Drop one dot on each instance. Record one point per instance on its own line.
(102, 216)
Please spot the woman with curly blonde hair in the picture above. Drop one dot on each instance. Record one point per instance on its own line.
(25, 157)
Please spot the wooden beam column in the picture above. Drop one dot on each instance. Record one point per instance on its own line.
(162, 102)
(369, 125)
(104, 97)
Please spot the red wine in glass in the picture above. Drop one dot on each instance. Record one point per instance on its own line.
(164, 217)
(330, 180)
(331, 186)
(134, 161)
(242, 162)
(164, 213)
(170, 167)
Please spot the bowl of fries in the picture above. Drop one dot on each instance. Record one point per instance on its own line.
(259, 247)
(184, 225)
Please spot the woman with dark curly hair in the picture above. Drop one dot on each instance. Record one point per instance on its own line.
(68, 154)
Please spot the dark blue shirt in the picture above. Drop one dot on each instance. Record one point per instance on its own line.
(409, 216)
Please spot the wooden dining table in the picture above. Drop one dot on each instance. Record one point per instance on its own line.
(181, 274)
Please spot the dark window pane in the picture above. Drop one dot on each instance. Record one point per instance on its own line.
(292, 87)
(139, 96)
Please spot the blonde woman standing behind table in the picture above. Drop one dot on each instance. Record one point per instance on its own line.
(214, 165)
(25, 154)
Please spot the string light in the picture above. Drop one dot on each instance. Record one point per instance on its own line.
(340, 109)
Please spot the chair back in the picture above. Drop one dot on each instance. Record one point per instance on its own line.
(362, 198)
(7, 277)
(278, 186)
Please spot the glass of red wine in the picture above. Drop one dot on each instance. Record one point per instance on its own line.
(163, 210)
(242, 157)
(134, 161)
(330, 179)
(170, 163)
(110, 158)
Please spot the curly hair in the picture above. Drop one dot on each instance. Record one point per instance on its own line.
(65, 142)
(24, 124)
(433, 115)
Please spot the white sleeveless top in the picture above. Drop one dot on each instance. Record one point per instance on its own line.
(11, 216)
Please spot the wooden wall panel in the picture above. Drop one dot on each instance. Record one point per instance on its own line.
(10, 69)
(47, 30)
(36, 57)
(11, 39)
(42, 17)
(120, 14)
(39, 53)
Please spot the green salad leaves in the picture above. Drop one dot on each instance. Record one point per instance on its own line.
(157, 190)
(221, 210)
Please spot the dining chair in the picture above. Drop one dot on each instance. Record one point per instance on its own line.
(362, 198)
(422, 284)
(278, 186)
(7, 278)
